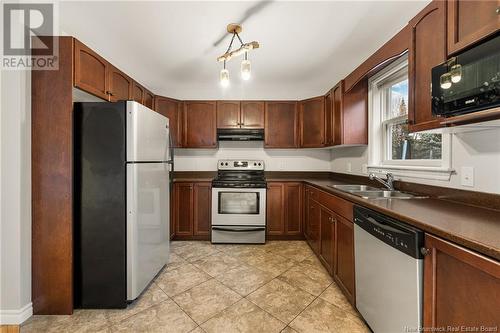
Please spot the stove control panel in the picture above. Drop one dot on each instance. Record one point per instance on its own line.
(240, 165)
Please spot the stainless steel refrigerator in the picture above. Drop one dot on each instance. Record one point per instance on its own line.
(122, 194)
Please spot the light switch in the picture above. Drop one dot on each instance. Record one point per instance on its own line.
(349, 167)
(467, 176)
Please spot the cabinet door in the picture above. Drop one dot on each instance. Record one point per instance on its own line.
(355, 115)
(228, 114)
(314, 225)
(312, 122)
(470, 21)
(293, 208)
(138, 93)
(280, 125)
(91, 71)
(200, 124)
(337, 106)
(461, 287)
(426, 50)
(149, 99)
(183, 205)
(171, 109)
(329, 118)
(327, 238)
(252, 114)
(120, 85)
(202, 202)
(275, 209)
(344, 256)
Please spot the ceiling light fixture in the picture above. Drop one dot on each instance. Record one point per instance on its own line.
(235, 30)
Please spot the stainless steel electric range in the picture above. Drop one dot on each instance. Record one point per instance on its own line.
(239, 202)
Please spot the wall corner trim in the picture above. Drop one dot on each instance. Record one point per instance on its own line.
(16, 317)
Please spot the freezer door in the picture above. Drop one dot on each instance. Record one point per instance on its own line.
(147, 134)
(147, 224)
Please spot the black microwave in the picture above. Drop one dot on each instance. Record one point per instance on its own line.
(468, 82)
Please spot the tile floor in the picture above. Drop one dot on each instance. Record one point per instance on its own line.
(276, 287)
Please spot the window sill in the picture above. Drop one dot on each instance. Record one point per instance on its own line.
(422, 172)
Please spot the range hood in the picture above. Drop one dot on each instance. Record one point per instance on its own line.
(240, 134)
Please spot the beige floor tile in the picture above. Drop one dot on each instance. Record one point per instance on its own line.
(306, 278)
(180, 279)
(153, 295)
(288, 329)
(322, 316)
(195, 251)
(206, 300)
(243, 317)
(270, 262)
(82, 321)
(281, 299)
(334, 295)
(244, 279)
(197, 330)
(164, 317)
(243, 251)
(217, 263)
(296, 251)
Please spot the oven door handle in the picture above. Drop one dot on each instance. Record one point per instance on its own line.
(239, 229)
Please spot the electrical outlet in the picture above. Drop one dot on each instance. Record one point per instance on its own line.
(349, 167)
(364, 168)
(467, 176)
(282, 165)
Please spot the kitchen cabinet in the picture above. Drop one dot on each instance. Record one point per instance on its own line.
(171, 109)
(149, 99)
(192, 210)
(120, 85)
(329, 118)
(427, 49)
(312, 219)
(228, 114)
(337, 98)
(199, 130)
(327, 238)
(252, 114)
(470, 21)
(91, 71)
(354, 115)
(284, 210)
(461, 287)
(281, 124)
(312, 122)
(344, 256)
(138, 93)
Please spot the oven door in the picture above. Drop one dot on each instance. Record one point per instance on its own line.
(238, 206)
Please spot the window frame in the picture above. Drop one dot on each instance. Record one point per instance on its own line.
(379, 160)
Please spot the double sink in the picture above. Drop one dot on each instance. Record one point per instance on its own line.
(369, 192)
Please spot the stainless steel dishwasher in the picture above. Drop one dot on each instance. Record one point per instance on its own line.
(389, 272)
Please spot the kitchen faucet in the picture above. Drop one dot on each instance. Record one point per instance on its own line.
(389, 182)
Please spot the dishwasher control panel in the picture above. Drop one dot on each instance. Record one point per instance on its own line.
(397, 234)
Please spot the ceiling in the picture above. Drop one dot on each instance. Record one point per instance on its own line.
(306, 46)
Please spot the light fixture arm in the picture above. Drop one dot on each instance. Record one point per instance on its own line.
(235, 29)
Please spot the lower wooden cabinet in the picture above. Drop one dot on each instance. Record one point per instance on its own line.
(461, 287)
(344, 256)
(192, 210)
(284, 210)
(327, 238)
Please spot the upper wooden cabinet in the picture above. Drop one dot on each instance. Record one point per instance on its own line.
(199, 128)
(91, 71)
(120, 85)
(252, 114)
(138, 92)
(171, 109)
(427, 49)
(470, 21)
(337, 100)
(281, 124)
(149, 99)
(461, 287)
(228, 114)
(354, 115)
(312, 122)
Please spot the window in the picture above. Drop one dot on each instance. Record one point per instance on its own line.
(391, 145)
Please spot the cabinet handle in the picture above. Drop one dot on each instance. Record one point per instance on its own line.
(497, 11)
(425, 251)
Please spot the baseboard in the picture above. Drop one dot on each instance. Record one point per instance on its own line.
(16, 317)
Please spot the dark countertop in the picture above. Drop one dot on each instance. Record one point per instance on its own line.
(473, 227)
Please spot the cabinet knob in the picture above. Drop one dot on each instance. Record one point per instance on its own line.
(497, 11)
(425, 251)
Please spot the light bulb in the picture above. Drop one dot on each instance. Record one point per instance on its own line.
(456, 73)
(224, 77)
(246, 69)
(445, 81)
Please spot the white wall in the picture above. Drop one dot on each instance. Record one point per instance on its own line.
(478, 149)
(274, 159)
(15, 197)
